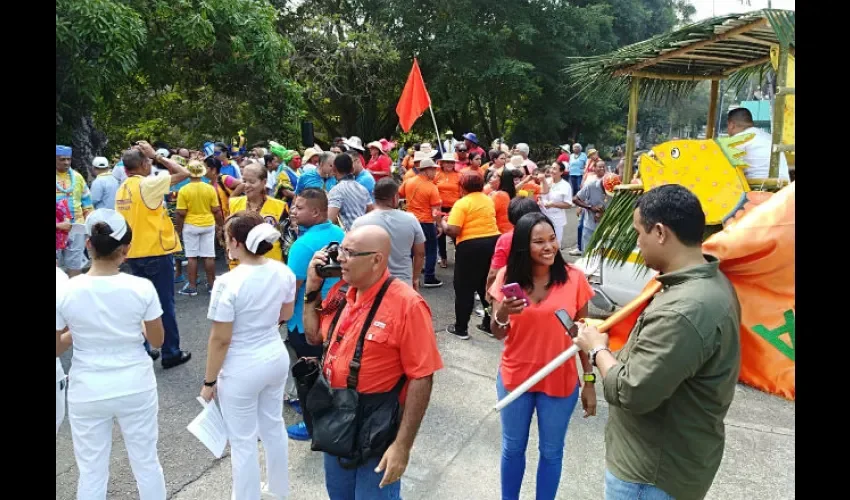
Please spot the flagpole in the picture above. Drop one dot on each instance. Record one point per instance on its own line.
(439, 142)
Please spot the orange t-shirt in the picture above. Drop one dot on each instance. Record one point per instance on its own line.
(501, 200)
(410, 174)
(448, 183)
(421, 196)
(475, 215)
(536, 337)
(401, 340)
(480, 171)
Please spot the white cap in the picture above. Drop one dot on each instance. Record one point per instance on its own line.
(113, 219)
(163, 152)
(100, 162)
(261, 232)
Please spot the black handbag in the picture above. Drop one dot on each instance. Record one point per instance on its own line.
(351, 426)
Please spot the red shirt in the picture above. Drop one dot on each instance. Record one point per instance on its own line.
(379, 167)
(564, 157)
(536, 336)
(401, 340)
(501, 200)
(503, 250)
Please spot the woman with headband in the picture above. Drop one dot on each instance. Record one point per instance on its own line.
(109, 314)
(247, 363)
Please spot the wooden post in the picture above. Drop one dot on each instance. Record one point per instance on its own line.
(631, 130)
(779, 112)
(711, 127)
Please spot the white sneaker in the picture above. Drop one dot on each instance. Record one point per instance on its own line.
(575, 252)
(479, 312)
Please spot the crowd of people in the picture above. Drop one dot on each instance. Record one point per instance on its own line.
(336, 247)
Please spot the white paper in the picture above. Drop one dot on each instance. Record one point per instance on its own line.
(209, 428)
(77, 229)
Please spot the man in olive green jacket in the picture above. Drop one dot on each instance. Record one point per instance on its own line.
(671, 385)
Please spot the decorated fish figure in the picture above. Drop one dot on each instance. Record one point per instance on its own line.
(713, 169)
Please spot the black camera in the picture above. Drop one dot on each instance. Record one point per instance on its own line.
(332, 269)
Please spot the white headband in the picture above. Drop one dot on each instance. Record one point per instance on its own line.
(261, 232)
(111, 218)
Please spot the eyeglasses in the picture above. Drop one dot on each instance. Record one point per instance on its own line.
(347, 254)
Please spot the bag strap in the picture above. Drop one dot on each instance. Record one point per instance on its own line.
(332, 328)
(354, 366)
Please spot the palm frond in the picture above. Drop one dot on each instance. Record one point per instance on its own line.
(614, 237)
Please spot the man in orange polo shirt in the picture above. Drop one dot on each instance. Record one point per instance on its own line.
(400, 342)
(423, 201)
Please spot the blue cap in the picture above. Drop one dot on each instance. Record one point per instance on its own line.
(469, 136)
(63, 150)
(209, 149)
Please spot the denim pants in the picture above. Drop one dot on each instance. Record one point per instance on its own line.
(430, 230)
(580, 243)
(575, 183)
(553, 417)
(358, 484)
(160, 271)
(617, 489)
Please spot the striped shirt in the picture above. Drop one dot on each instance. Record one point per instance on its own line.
(351, 198)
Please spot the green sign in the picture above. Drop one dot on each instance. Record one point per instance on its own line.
(773, 336)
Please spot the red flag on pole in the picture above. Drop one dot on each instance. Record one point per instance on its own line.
(414, 99)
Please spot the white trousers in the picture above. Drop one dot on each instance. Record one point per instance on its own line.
(91, 430)
(252, 403)
(60, 404)
(559, 231)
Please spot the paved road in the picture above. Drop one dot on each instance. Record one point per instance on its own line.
(457, 451)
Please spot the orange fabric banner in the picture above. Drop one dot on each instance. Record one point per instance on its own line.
(756, 252)
(414, 99)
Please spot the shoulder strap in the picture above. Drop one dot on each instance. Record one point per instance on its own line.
(333, 327)
(354, 366)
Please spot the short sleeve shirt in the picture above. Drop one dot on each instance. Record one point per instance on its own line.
(475, 215)
(351, 198)
(421, 195)
(503, 251)
(198, 199)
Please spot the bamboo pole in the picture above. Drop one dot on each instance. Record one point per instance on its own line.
(711, 128)
(631, 130)
(674, 77)
(779, 112)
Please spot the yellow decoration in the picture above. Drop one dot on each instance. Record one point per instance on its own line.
(711, 169)
(789, 111)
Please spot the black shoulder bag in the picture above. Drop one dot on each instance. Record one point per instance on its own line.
(351, 426)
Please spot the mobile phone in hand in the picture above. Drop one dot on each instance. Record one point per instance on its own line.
(567, 322)
(514, 291)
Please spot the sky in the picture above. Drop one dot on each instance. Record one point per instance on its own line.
(710, 8)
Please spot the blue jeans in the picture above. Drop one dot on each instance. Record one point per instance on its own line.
(580, 243)
(358, 484)
(160, 271)
(553, 417)
(575, 183)
(617, 489)
(430, 230)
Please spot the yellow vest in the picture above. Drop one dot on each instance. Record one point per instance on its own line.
(153, 232)
(270, 211)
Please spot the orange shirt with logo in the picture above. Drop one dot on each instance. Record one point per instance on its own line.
(448, 183)
(421, 196)
(400, 341)
(536, 337)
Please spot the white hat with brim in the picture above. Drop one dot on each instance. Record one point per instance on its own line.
(427, 163)
(565, 147)
(377, 145)
(354, 142)
(448, 157)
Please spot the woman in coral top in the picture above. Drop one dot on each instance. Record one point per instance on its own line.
(533, 337)
(502, 197)
(448, 183)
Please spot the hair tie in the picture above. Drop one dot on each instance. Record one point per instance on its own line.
(116, 222)
(261, 232)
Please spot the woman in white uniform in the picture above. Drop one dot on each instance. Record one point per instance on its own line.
(247, 363)
(63, 342)
(111, 375)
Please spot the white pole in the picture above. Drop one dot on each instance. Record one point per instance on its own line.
(528, 384)
(439, 142)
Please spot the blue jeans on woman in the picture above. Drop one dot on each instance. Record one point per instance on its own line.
(617, 489)
(358, 484)
(553, 417)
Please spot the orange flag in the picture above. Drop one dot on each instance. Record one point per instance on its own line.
(756, 252)
(414, 99)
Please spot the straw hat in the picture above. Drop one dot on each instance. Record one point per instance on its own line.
(377, 145)
(309, 153)
(196, 169)
(591, 152)
(427, 163)
(448, 157)
(425, 151)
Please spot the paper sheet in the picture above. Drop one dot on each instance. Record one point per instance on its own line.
(209, 428)
(77, 229)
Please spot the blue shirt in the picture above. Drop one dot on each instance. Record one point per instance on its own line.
(230, 170)
(310, 241)
(103, 190)
(312, 179)
(577, 164)
(366, 180)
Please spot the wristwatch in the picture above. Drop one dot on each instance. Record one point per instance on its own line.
(590, 378)
(596, 351)
(210, 384)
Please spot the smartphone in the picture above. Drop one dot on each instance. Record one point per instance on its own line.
(514, 291)
(569, 325)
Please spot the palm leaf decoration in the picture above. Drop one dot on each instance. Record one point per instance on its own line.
(614, 237)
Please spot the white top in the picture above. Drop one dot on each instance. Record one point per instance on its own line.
(559, 192)
(61, 283)
(250, 297)
(105, 316)
(757, 155)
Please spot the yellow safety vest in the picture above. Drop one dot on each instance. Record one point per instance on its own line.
(270, 211)
(153, 232)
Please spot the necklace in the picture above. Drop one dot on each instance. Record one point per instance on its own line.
(259, 207)
(70, 183)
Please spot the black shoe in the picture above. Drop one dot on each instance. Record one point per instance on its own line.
(177, 360)
(432, 283)
(461, 335)
(485, 327)
(154, 354)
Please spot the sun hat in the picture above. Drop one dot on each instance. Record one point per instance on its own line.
(196, 169)
(469, 136)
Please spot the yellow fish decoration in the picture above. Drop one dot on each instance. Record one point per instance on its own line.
(712, 169)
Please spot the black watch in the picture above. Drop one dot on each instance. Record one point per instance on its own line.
(210, 384)
(310, 297)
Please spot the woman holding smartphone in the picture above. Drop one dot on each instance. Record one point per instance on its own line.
(535, 284)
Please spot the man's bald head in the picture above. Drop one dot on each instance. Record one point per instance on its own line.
(184, 153)
(371, 239)
(367, 253)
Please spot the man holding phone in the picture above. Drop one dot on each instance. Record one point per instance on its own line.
(675, 378)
